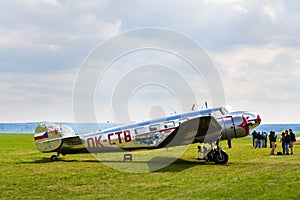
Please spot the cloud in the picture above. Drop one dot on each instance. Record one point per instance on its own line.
(50, 35)
(274, 66)
(31, 97)
(256, 76)
(255, 45)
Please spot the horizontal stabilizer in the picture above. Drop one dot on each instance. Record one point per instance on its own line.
(49, 136)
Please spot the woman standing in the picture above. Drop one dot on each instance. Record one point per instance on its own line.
(282, 140)
(273, 137)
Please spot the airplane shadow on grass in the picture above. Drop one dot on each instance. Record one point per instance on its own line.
(48, 160)
(181, 165)
(169, 164)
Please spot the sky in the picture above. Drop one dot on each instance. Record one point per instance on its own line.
(254, 45)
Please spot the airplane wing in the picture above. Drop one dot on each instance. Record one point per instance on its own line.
(200, 129)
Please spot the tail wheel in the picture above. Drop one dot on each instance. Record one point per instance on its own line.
(220, 157)
(54, 157)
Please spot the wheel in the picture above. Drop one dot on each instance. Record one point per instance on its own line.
(54, 158)
(220, 157)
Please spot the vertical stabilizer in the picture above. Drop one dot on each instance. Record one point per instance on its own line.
(48, 136)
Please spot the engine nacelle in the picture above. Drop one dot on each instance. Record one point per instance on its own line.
(234, 126)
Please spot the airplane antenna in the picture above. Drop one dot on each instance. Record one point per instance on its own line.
(193, 107)
(172, 109)
(205, 104)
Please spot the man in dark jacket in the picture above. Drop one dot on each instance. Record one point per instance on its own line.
(273, 137)
(287, 140)
(254, 138)
(293, 139)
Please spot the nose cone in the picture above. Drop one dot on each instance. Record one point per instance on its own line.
(253, 119)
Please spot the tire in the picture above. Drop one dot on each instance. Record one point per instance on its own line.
(220, 157)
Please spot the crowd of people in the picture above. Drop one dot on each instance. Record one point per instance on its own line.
(287, 139)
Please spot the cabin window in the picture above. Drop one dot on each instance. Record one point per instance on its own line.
(140, 130)
(169, 124)
(154, 127)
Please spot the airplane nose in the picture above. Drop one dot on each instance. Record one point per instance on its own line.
(254, 120)
(244, 125)
(258, 119)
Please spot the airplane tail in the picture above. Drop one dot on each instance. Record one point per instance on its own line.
(48, 136)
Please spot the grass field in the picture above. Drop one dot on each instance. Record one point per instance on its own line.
(249, 174)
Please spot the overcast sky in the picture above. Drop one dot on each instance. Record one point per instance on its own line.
(255, 46)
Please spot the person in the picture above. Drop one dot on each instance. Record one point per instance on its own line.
(263, 139)
(266, 140)
(287, 142)
(293, 139)
(270, 140)
(229, 143)
(258, 140)
(254, 134)
(282, 140)
(273, 138)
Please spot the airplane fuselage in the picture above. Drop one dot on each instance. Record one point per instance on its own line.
(203, 126)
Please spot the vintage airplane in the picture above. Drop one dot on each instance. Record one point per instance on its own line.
(207, 126)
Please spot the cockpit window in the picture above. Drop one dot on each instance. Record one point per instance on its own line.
(221, 111)
(224, 111)
(227, 109)
(217, 113)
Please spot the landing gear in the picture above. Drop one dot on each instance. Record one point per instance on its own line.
(220, 157)
(213, 153)
(54, 157)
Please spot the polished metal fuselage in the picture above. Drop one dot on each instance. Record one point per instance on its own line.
(181, 129)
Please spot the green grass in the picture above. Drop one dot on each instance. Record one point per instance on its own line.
(249, 174)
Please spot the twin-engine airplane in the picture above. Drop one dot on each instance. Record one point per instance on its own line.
(207, 126)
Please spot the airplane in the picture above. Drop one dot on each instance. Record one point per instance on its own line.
(207, 126)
